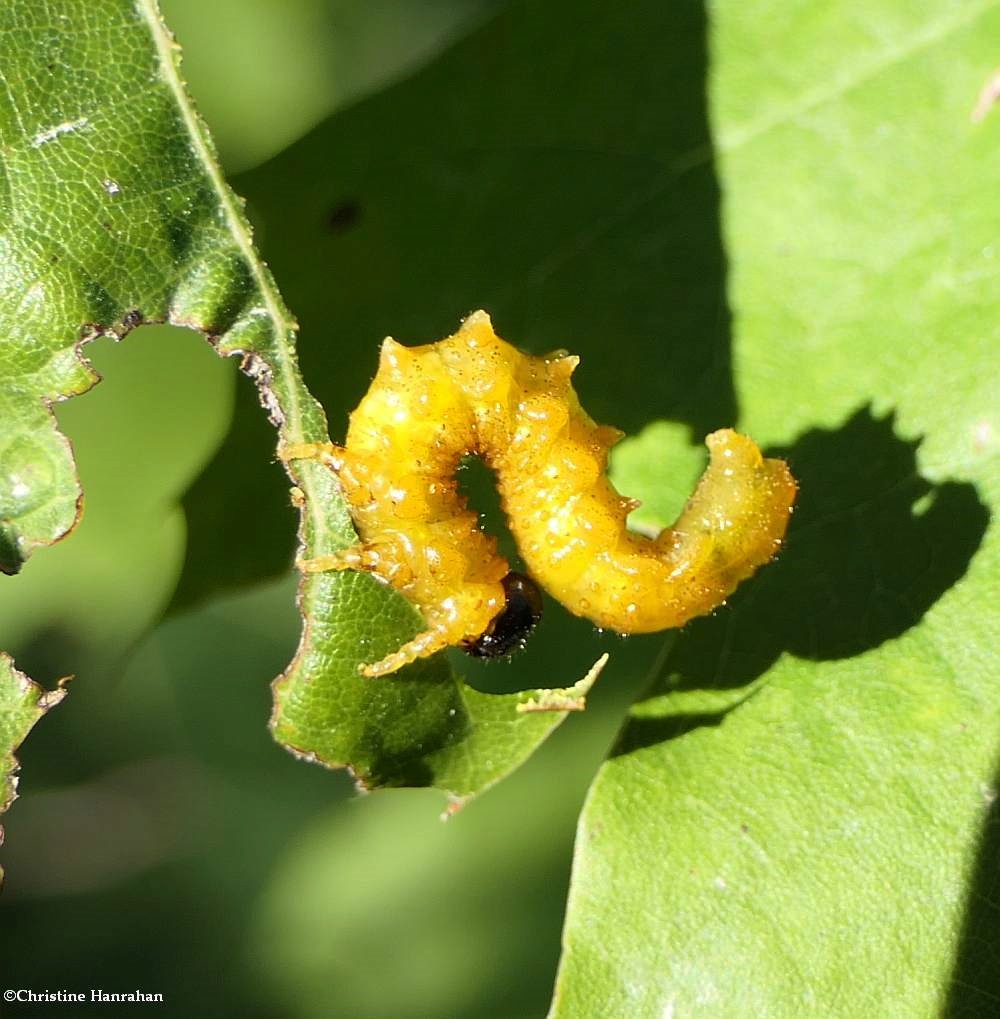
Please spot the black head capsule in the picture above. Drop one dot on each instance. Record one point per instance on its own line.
(509, 630)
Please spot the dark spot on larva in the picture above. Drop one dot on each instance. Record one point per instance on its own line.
(510, 629)
(344, 216)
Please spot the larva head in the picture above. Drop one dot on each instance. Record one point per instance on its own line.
(509, 630)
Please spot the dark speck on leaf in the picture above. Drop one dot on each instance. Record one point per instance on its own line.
(344, 216)
(132, 319)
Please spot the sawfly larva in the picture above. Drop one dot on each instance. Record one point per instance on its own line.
(475, 394)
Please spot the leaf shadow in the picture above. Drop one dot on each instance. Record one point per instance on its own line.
(871, 547)
(974, 989)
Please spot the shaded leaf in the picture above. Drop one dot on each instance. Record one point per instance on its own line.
(137, 444)
(538, 173)
(22, 703)
(298, 60)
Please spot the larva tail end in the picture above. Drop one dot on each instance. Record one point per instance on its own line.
(741, 506)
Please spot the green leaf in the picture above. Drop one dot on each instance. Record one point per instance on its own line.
(137, 446)
(791, 819)
(484, 737)
(22, 703)
(115, 213)
(658, 463)
(298, 60)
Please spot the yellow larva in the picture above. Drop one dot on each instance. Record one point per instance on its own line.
(473, 393)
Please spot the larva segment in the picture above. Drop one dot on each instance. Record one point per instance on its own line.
(733, 524)
(570, 522)
(473, 393)
(397, 471)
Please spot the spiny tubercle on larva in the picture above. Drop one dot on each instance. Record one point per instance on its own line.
(473, 393)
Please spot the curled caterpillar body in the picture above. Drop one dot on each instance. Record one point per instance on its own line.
(473, 393)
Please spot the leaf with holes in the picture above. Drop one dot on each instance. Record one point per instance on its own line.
(114, 212)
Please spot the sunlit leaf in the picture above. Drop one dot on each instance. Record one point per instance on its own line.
(791, 820)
